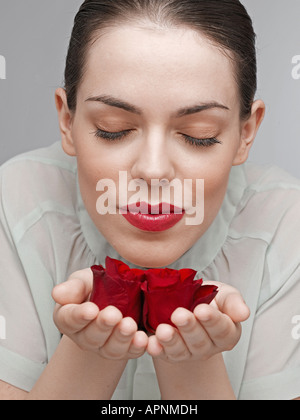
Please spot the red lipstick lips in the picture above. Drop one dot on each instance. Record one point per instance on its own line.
(153, 218)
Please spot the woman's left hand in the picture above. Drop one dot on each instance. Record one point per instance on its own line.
(199, 335)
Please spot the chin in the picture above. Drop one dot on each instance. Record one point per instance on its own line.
(150, 258)
(149, 250)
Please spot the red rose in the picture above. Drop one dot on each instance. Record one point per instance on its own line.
(148, 296)
(166, 290)
(119, 286)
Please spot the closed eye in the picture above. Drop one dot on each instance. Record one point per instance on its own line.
(207, 142)
(119, 135)
(112, 136)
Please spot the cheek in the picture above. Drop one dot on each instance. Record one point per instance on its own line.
(87, 178)
(99, 183)
(216, 185)
(92, 167)
(89, 173)
(215, 170)
(93, 162)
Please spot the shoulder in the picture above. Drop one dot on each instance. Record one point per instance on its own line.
(271, 199)
(269, 178)
(39, 213)
(39, 162)
(40, 176)
(268, 219)
(267, 224)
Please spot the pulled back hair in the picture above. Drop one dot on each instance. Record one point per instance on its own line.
(225, 23)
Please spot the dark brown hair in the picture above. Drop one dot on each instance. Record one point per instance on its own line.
(225, 23)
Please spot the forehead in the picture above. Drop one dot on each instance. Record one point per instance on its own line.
(143, 62)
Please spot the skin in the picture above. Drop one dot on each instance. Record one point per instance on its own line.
(198, 74)
(162, 82)
(209, 330)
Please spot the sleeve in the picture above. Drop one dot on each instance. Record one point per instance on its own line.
(22, 343)
(273, 363)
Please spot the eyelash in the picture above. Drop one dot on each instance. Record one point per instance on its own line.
(201, 142)
(110, 136)
(115, 136)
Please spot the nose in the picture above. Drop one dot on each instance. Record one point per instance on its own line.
(154, 159)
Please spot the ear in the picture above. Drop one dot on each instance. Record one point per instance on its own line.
(249, 130)
(65, 121)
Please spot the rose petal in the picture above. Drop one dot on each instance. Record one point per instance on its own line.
(166, 277)
(117, 269)
(160, 304)
(107, 291)
(148, 296)
(124, 295)
(188, 275)
(160, 278)
(204, 294)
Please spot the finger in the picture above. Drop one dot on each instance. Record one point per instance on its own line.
(175, 349)
(76, 290)
(193, 333)
(96, 333)
(138, 345)
(118, 344)
(231, 302)
(154, 348)
(235, 307)
(223, 332)
(70, 319)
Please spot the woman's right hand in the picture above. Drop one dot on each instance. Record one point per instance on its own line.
(104, 332)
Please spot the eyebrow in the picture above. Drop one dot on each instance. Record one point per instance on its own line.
(199, 108)
(117, 103)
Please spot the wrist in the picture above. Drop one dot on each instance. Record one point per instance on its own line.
(75, 374)
(194, 380)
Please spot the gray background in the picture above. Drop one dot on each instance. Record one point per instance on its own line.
(34, 36)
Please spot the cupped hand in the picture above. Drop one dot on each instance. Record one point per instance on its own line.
(105, 332)
(203, 333)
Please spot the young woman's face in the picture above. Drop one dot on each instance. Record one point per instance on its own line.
(155, 105)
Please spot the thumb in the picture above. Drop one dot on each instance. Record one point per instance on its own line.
(235, 307)
(76, 290)
(230, 302)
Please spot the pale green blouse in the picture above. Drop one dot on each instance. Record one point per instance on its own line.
(253, 244)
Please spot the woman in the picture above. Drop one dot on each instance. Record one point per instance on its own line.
(156, 90)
